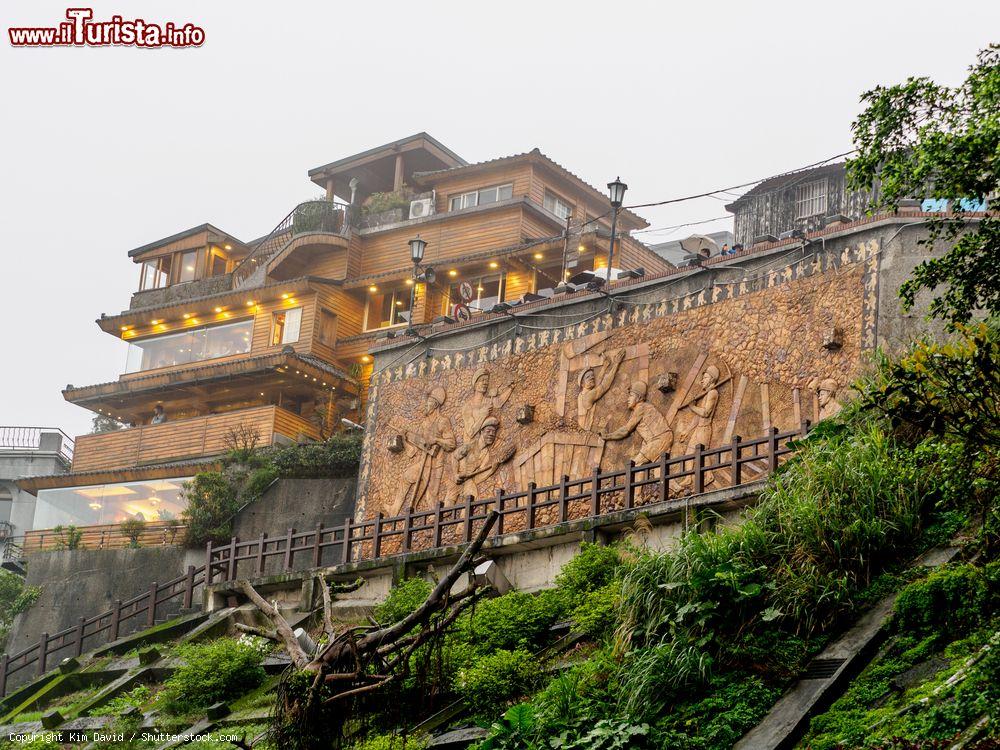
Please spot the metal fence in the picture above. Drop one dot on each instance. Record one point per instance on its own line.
(634, 486)
(30, 439)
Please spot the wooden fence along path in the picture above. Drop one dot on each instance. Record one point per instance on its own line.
(634, 486)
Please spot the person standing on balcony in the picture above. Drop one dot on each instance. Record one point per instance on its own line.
(159, 416)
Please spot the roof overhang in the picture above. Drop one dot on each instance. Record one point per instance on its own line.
(215, 235)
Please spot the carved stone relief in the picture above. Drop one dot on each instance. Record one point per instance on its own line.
(647, 380)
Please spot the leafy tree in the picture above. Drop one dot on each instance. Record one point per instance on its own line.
(104, 423)
(922, 139)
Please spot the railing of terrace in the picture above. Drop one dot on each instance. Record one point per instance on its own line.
(30, 438)
(634, 486)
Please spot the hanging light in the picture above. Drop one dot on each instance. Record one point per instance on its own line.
(616, 191)
(417, 247)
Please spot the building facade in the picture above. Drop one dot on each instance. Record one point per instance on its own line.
(268, 340)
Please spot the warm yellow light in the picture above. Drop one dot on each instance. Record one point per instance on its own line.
(187, 315)
(228, 247)
(538, 256)
(262, 393)
(399, 303)
(453, 272)
(250, 303)
(494, 264)
(193, 321)
(154, 322)
(365, 358)
(218, 309)
(286, 295)
(373, 289)
(582, 248)
(130, 333)
(95, 506)
(479, 289)
(124, 328)
(409, 282)
(226, 315)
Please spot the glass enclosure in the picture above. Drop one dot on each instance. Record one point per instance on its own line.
(190, 346)
(486, 292)
(155, 274)
(151, 500)
(388, 308)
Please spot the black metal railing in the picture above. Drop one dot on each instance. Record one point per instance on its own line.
(329, 217)
(30, 439)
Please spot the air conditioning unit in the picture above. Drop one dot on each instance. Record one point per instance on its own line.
(421, 207)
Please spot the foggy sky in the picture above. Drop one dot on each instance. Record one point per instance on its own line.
(108, 149)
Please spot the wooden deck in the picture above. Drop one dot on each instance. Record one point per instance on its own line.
(186, 438)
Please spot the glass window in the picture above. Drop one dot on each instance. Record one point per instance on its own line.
(481, 197)
(189, 266)
(810, 199)
(388, 308)
(189, 346)
(155, 274)
(218, 265)
(327, 333)
(556, 205)
(486, 292)
(151, 500)
(287, 324)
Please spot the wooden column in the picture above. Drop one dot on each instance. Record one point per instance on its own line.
(397, 179)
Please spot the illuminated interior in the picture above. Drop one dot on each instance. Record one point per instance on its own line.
(151, 500)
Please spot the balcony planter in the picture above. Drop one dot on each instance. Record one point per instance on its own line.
(391, 216)
(317, 216)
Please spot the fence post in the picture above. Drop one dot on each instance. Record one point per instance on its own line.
(189, 588)
(151, 613)
(663, 488)
(630, 485)
(317, 549)
(499, 509)
(468, 518)
(563, 510)
(772, 449)
(437, 524)
(734, 462)
(78, 637)
(531, 506)
(346, 551)
(699, 469)
(116, 619)
(404, 546)
(231, 571)
(595, 492)
(3, 674)
(289, 539)
(208, 563)
(377, 537)
(260, 554)
(43, 646)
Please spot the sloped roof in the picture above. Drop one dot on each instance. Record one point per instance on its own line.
(786, 180)
(206, 227)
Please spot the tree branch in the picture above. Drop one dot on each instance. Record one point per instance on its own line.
(284, 630)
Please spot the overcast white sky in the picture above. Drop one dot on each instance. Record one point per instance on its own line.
(107, 149)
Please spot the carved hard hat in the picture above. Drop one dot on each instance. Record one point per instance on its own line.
(437, 393)
(638, 389)
(482, 372)
(582, 375)
(827, 384)
(713, 372)
(490, 422)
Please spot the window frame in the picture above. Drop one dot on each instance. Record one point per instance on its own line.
(203, 329)
(320, 313)
(180, 266)
(402, 293)
(557, 200)
(477, 194)
(277, 340)
(811, 198)
(160, 261)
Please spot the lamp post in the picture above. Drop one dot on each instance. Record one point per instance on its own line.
(616, 192)
(417, 247)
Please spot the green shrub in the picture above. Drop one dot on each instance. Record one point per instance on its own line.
(403, 600)
(391, 742)
(596, 614)
(68, 537)
(338, 456)
(592, 568)
(952, 597)
(498, 677)
(15, 598)
(515, 620)
(137, 697)
(212, 501)
(215, 671)
(132, 529)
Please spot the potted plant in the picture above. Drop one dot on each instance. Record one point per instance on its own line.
(133, 528)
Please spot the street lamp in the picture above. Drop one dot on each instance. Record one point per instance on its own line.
(616, 193)
(417, 247)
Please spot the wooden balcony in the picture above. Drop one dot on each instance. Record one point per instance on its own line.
(186, 438)
(105, 536)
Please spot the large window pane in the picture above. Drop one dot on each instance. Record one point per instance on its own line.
(189, 266)
(155, 273)
(151, 500)
(487, 291)
(189, 346)
(387, 308)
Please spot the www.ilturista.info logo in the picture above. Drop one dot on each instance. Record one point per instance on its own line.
(81, 31)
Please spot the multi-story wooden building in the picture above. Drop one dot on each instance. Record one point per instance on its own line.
(272, 336)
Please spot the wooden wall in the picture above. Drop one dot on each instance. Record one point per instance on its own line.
(185, 438)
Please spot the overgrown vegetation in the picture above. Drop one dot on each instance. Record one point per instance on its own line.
(15, 598)
(214, 497)
(215, 671)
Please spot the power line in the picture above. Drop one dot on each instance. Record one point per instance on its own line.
(680, 226)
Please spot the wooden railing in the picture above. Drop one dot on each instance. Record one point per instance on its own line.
(103, 536)
(184, 438)
(598, 494)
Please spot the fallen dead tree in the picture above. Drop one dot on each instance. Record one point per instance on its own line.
(321, 692)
